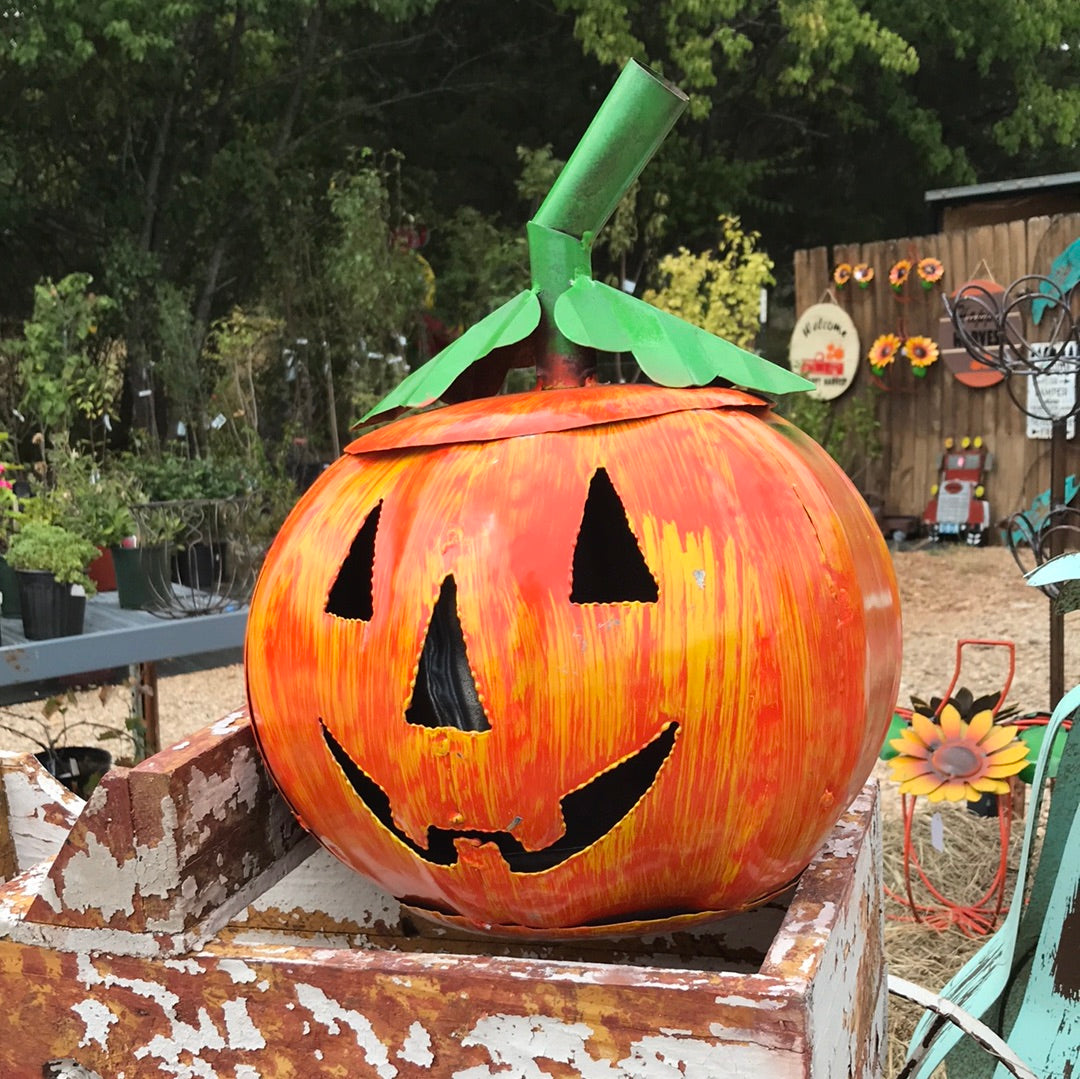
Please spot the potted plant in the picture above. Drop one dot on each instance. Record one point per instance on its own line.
(77, 767)
(204, 496)
(142, 557)
(9, 511)
(50, 562)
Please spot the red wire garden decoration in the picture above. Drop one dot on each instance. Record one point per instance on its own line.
(958, 748)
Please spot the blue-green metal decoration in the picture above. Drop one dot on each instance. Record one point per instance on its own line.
(573, 311)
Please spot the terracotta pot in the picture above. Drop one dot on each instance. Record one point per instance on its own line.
(102, 572)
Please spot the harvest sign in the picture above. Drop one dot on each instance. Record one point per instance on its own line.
(825, 349)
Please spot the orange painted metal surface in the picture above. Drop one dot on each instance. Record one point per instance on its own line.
(735, 711)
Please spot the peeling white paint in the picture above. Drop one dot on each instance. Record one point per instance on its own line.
(94, 880)
(323, 884)
(29, 796)
(515, 1042)
(238, 970)
(417, 1047)
(241, 1031)
(246, 1071)
(182, 1039)
(97, 1018)
(758, 1003)
(230, 724)
(329, 1013)
(186, 966)
(659, 1057)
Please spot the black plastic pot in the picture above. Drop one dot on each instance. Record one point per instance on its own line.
(200, 565)
(142, 577)
(49, 608)
(9, 586)
(79, 768)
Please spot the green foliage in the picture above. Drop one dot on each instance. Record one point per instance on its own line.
(64, 371)
(172, 476)
(701, 40)
(52, 549)
(377, 284)
(87, 498)
(479, 265)
(719, 289)
(846, 427)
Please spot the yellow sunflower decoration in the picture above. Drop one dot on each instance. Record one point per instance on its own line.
(950, 759)
(883, 352)
(922, 352)
(899, 274)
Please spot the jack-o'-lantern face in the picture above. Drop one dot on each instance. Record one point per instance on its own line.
(563, 660)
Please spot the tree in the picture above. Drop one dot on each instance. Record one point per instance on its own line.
(152, 143)
(719, 289)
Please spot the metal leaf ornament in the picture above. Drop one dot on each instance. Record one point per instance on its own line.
(570, 311)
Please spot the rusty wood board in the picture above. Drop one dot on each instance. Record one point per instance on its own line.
(181, 837)
(130, 983)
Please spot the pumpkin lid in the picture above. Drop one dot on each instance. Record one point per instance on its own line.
(488, 419)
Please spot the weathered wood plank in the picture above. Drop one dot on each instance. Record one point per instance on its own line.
(307, 992)
(179, 839)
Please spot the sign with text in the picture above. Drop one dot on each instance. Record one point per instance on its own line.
(825, 349)
(981, 325)
(1051, 395)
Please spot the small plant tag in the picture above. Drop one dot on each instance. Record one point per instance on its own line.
(77, 590)
(937, 833)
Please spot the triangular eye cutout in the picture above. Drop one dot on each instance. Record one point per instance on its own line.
(608, 563)
(445, 694)
(351, 594)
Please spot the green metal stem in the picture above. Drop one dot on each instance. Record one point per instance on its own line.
(626, 131)
(628, 128)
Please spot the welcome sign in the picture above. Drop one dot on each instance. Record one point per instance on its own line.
(825, 349)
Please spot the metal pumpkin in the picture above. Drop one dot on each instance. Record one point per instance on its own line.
(576, 661)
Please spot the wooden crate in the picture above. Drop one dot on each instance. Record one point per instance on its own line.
(182, 924)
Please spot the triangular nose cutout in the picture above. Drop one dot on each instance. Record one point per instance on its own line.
(608, 564)
(445, 694)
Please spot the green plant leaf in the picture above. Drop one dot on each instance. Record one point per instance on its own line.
(506, 325)
(670, 351)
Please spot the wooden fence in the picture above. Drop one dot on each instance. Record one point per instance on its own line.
(917, 414)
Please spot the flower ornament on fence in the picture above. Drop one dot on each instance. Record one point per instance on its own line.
(950, 759)
(930, 271)
(842, 274)
(922, 352)
(863, 274)
(899, 274)
(883, 352)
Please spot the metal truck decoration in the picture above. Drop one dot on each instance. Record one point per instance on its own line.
(958, 507)
(562, 663)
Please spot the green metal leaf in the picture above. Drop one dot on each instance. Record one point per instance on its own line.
(506, 325)
(670, 351)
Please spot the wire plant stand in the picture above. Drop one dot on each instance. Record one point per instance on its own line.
(1032, 336)
(200, 556)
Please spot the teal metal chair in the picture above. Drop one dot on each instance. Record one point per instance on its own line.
(1024, 983)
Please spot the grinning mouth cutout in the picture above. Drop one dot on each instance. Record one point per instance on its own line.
(589, 812)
